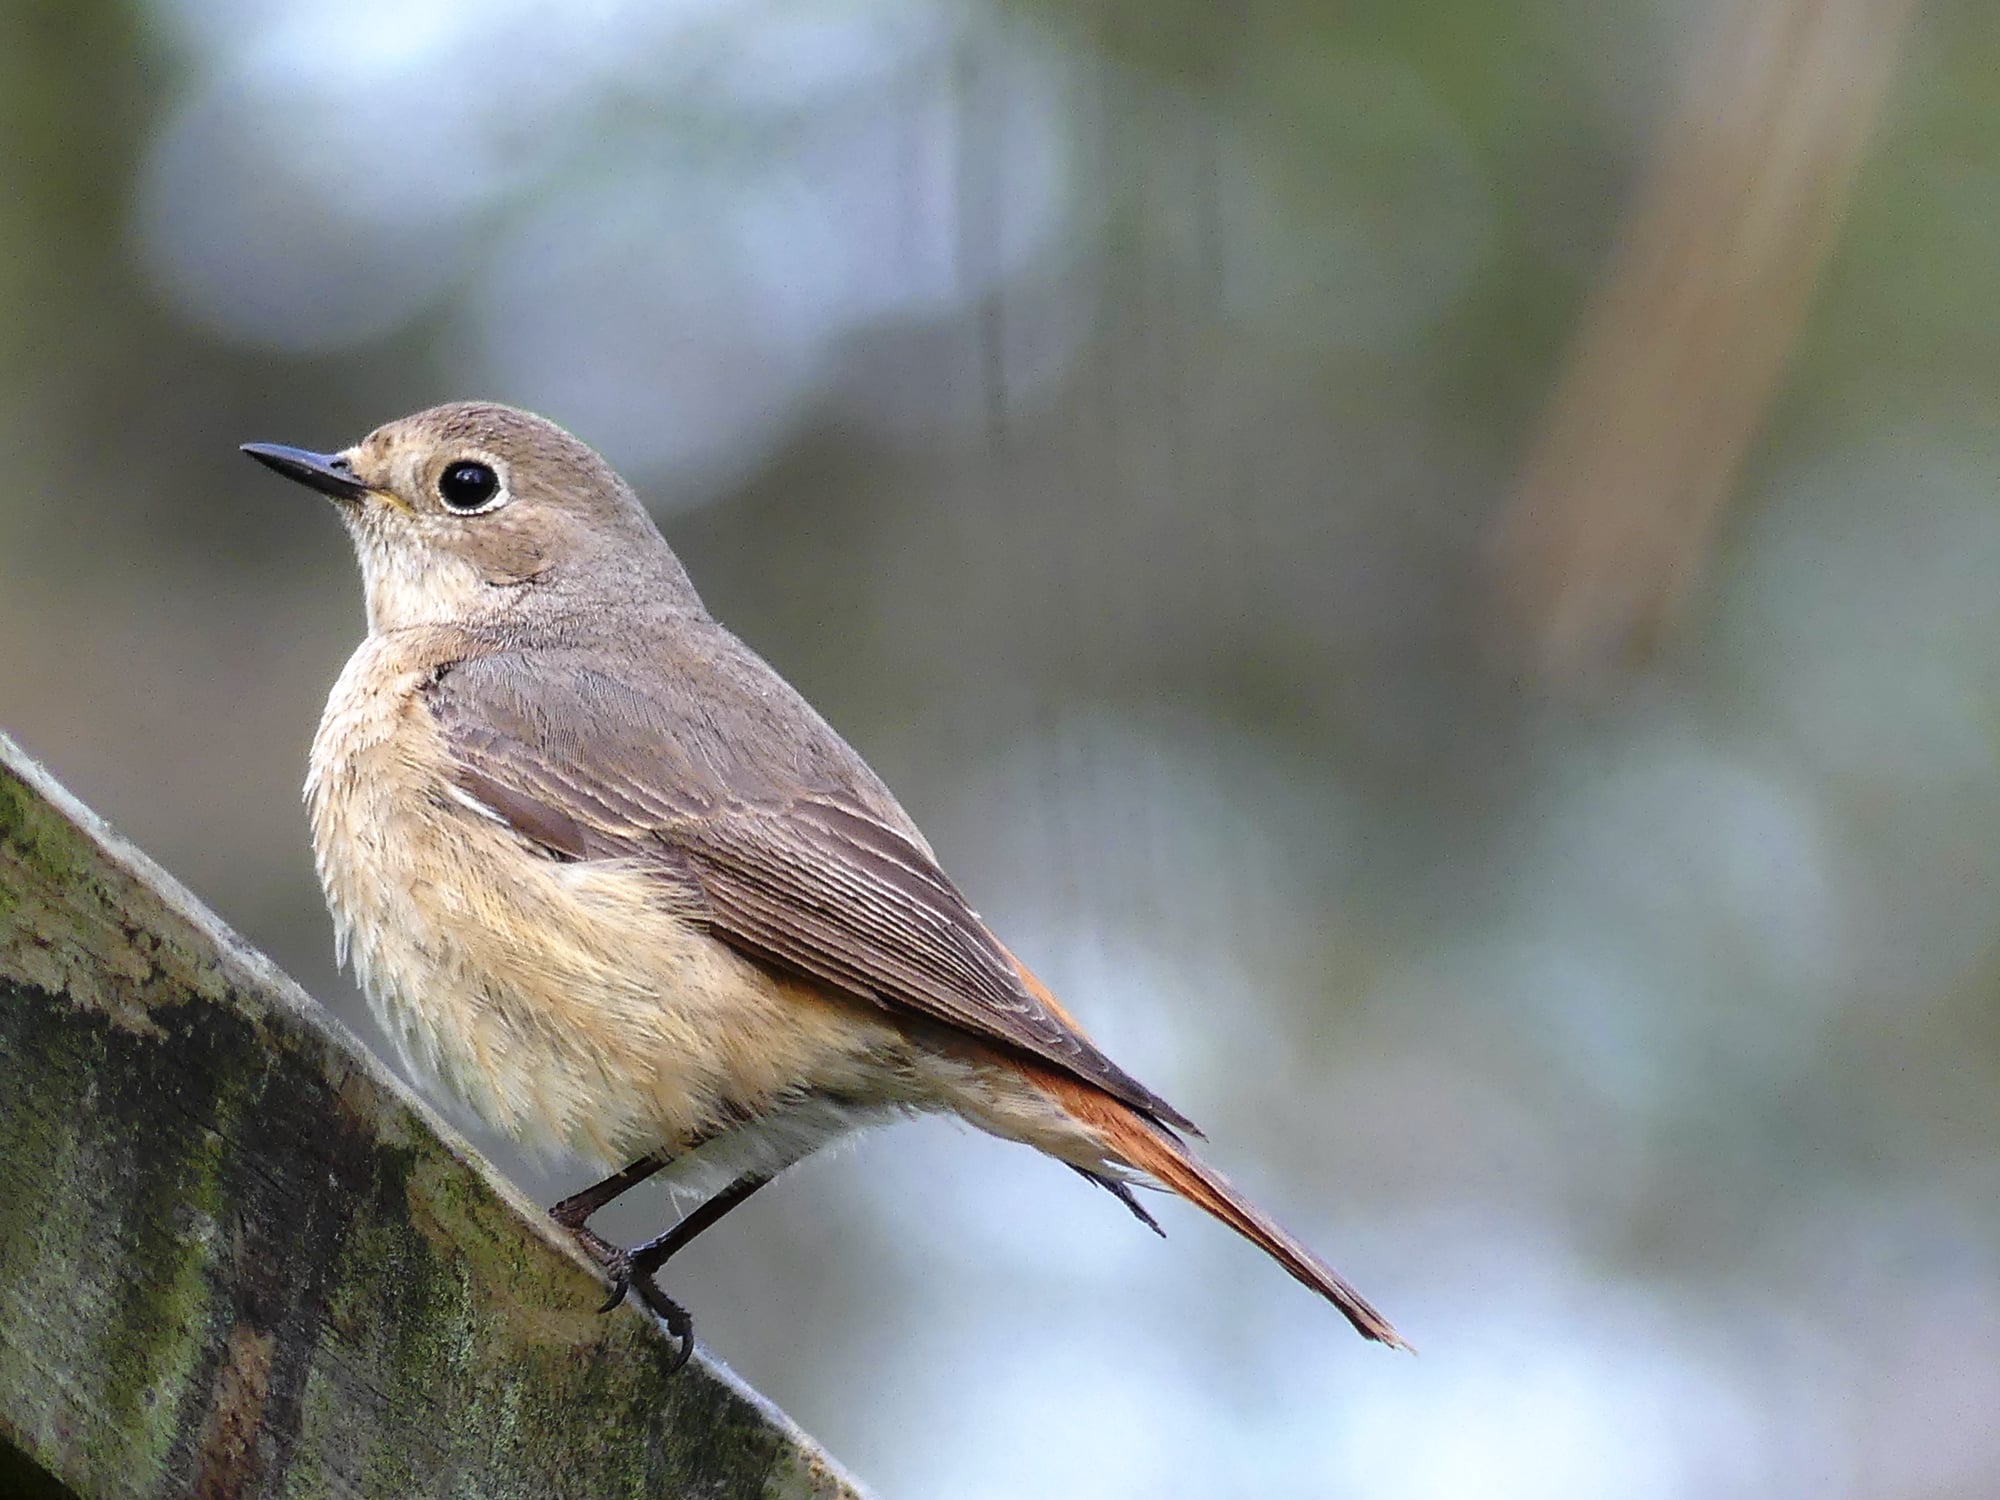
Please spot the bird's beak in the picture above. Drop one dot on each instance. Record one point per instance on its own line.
(329, 473)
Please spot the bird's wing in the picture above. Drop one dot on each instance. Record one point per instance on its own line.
(791, 844)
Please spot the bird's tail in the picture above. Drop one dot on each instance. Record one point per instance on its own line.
(1129, 1137)
(1133, 1140)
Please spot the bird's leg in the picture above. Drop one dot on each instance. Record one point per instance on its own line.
(649, 1257)
(638, 1265)
(574, 1212)
(635, 1269)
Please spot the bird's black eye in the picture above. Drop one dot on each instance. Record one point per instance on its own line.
(467, 485)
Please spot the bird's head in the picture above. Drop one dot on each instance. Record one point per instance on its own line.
(473, 512)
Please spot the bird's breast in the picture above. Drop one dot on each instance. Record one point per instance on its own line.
(576, 1005)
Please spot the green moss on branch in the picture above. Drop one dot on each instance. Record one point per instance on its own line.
(237, 1259)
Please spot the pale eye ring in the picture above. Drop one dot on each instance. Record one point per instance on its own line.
(468, 486)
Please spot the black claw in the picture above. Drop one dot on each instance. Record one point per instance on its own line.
(680, 1326)
(614, 1262)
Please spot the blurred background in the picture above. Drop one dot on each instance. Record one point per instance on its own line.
(1430, 565)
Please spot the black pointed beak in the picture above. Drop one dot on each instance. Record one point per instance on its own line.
(329, 473)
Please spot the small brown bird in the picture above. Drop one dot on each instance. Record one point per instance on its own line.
(604, 873)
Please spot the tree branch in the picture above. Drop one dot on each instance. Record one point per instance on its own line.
(238, 1258)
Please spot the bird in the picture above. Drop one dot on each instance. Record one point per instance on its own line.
(606, 876)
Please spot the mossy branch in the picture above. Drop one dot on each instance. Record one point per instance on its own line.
(238, 1258)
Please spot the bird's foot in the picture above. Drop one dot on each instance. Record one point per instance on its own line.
(614, 1262)
(631, 1271)
(679, 1325)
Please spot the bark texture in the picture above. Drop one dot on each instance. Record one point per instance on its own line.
(238, 1258)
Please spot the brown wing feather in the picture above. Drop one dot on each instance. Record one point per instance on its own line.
(797, 863)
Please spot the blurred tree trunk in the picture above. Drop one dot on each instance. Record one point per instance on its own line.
(1681, 349)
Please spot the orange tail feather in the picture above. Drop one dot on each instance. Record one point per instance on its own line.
(1155, 1150)
(1160, 1155)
